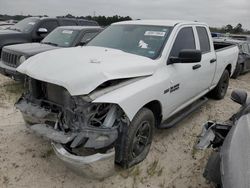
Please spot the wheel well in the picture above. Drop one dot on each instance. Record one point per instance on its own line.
(155, 107)
(229, 68)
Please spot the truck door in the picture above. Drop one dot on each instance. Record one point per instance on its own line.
(208, 62)
(183, 82)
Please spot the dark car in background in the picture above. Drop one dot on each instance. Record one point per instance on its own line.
(62, 37)
(243, 63)
(34, 29)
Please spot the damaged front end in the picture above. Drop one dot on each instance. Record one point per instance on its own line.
(83, 133)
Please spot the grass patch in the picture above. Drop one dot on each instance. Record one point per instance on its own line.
(47, 154)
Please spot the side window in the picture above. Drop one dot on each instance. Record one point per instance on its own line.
(204, 39)
(88, 36)
(184, 40)
(50, 25)
(68, 22)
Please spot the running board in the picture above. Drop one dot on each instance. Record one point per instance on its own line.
(179, 116)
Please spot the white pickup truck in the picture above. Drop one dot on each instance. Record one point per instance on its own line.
(105, 99)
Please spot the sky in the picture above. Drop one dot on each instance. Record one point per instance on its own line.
(213, 12)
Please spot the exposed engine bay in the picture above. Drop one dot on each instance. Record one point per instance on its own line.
(74, 122)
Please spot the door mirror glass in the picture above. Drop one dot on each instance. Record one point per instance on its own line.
(42, 31)
(187, 56)
(239, 97)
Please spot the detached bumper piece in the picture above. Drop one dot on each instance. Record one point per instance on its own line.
(213, 133)
(96, 166)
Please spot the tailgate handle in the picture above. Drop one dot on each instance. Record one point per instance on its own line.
(212, 60)
(196, 66)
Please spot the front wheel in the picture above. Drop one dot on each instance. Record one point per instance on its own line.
(137, 138)
(220, 90)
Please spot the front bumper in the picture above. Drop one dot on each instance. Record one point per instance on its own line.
(37, 117)
(95, 166)
(11, 72)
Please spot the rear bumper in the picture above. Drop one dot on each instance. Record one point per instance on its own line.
(10, 72)
(96, 166)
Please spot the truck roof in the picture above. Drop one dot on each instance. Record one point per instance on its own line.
(79, 27)
(64, 18)
(158, 22)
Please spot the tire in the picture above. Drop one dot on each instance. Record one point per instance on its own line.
(137, 139)
(238, 71)
(220, 90)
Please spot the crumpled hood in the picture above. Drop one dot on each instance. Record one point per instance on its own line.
(30, 49)
(82, 69)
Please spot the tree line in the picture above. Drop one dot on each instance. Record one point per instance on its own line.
(107, 20)
(238, 29)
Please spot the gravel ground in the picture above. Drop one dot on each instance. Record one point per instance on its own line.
(28, 161)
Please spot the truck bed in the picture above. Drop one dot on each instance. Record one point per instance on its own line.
(226, 53)
(218, 46)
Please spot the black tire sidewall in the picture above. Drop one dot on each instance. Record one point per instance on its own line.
(143, 115)
(217, 93)
(226, 76)
(220, 94)
(237, 71)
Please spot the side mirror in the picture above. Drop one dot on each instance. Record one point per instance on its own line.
(187, 56)
(239, 96)
(42, 31)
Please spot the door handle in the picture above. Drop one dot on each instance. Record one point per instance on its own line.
(212, 60)
(196, 66)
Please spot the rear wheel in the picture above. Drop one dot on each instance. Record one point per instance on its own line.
(220, 90)
(137, 139)
(238, 71)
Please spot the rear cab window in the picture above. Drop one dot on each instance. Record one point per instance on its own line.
(87, 23)
(203, 39)
(50, 25)
(68, 22)
(185, 40)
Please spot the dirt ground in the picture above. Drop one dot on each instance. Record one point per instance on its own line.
(28, 161)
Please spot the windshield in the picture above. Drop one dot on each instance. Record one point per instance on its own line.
(25, 25)
(143, 40)
(61, 37)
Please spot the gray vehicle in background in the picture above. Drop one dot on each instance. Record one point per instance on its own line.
(243, 63)
(229, 164)
(34, 29)
(62, 37)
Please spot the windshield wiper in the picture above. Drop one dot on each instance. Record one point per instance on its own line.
(50, 43)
